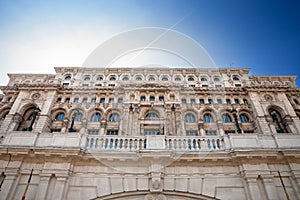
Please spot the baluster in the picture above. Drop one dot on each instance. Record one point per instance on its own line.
(195, 144)
(117, 143)
(101, 143)
(209, 144)
(121, 144)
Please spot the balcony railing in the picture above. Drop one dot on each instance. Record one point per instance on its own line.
(119, 143)
(124, 143)
(190, 143)
(194, 143)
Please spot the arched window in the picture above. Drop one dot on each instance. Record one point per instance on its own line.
(278, 121)
(203, 79)
(208, 118)
(190, 118)
(125, 78)
(191, 79)
(96, 117)
(87, 78)
(216, 79)
(177, 79)
(244, 118)
(60, 116)
(100, 78)
(114, 117)
(164, 79)
(68, 77)
(235, 78)
(151, 78)
(112, 78)
(226, 118)
(138, 78)
(151, 115)
(3, 114)
(78, 117)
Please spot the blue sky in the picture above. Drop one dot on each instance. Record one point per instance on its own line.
(263, 35)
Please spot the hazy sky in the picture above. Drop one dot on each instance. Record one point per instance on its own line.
(263, 35)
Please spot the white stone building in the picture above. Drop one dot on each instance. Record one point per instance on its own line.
(150, 133)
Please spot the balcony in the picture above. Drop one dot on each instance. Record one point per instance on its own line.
(121, 143)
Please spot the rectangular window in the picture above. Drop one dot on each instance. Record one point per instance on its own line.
(102, 100)
(143, 98)
(76, 100)
(161, 98)
(238, 85)
(85, 85)
(228, 101)
(84, 100)
(230, 132)
(120, 100)
(191, 133)
(219, 101)
(209, 101)
(201, 101)
(249, 131)
(245, 101)
(205, 86)
(111, 100)
(55, 130)
(210, 132)
(58, 100)
(111, 85)
(151, 132)
(192, 85)
(98, 84)
(68, 100)
(65, 84)
(236, 101)
(193, 101)
(183, 101)
(152, 98)
(93, 132)
(112, 132)
(218, 86)
(93, 100)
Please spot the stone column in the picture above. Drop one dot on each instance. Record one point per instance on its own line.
(64, 128)
(58, 193)
(270, 187)
(102, 127)
(15, 122)
(42, 123)
(253, 188)
(135, 122)
(220, 127)
(168, 125)
(129, 130)
(201, 130)
(42, 188)
(179, 123)
(7, 189)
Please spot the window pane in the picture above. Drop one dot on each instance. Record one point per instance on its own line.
(189, 118)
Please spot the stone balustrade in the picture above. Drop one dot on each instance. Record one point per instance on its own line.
(194, 143)
(116, 142)
(151, 142)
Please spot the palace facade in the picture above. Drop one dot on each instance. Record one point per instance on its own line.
(150, 133)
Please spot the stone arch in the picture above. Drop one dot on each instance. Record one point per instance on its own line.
(277, 119)
(92, 111)
(157, 111)
(26, 112)
(210, 111)
(147, 195)
(56, 111)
